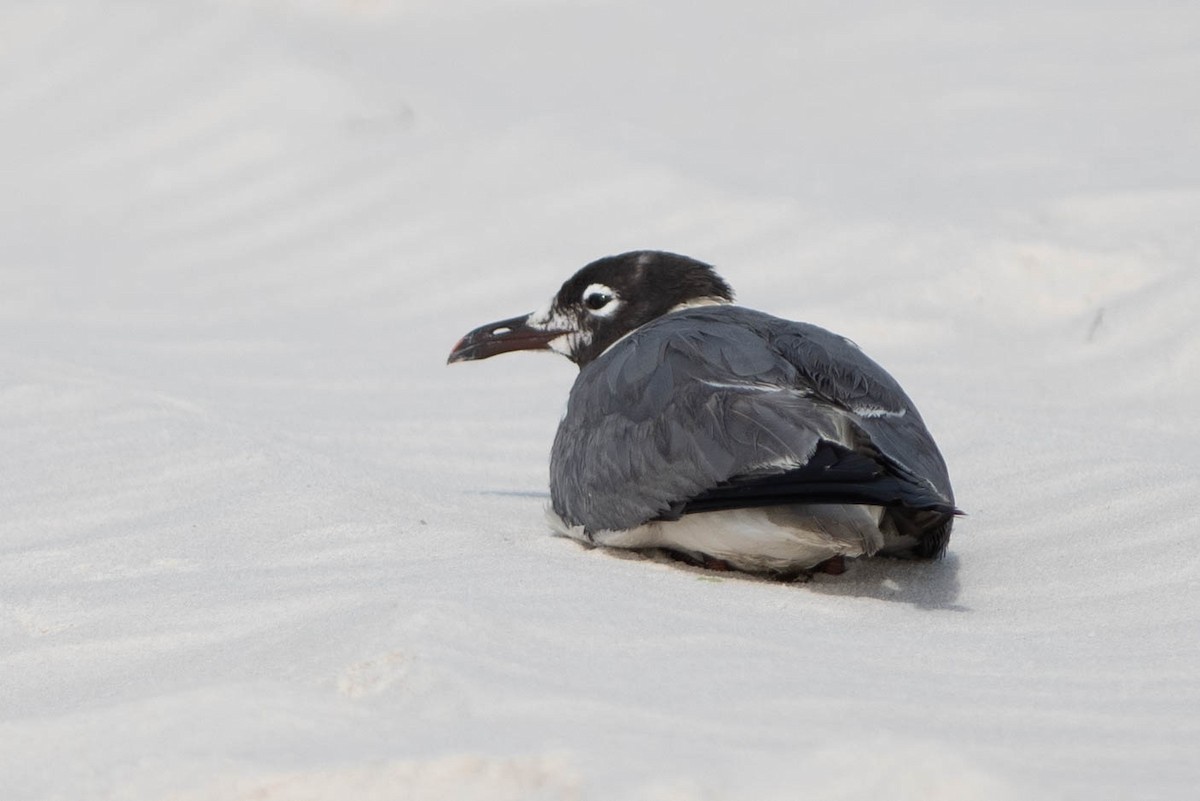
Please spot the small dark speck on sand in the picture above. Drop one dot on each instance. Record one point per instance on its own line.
(1097, 324)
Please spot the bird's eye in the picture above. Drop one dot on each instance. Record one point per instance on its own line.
(600, 300)
(596, 300)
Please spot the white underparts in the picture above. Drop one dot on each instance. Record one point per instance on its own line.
(777, 539)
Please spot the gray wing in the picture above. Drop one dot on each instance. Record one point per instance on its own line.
(725, 407)
(845, 377)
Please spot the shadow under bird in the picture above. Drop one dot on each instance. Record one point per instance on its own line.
(722, 434)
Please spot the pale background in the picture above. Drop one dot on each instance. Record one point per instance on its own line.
(258, 542)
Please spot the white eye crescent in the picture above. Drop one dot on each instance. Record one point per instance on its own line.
(599, 299)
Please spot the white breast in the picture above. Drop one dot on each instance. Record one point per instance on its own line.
(778, 539)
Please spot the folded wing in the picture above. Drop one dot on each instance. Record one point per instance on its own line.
(724, 407)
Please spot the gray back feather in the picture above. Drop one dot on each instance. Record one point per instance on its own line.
(702, 396)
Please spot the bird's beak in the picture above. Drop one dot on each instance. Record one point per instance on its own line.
(501, 337)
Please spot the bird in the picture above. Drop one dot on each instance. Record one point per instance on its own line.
(722, 435)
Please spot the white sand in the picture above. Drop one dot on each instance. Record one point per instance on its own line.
(258, 542)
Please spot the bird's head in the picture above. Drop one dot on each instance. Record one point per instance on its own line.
(598, 305)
